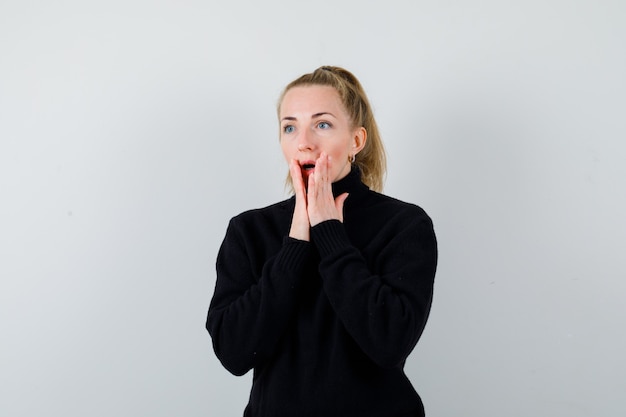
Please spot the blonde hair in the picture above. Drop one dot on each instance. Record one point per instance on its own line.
(371, 161)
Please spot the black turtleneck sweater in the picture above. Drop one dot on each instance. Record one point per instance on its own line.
(328, 324)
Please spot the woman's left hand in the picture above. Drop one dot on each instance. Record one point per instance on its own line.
(321, 205)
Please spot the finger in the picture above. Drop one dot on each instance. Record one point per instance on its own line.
(321, 168)
(296, 176)
(311, 185)
(323, 185)
(325, 172)
(300, 221)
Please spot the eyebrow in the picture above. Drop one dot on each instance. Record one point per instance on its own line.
(316, 115)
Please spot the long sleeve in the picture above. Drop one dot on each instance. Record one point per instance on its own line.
(326, 325)
(383, 301)
(254, 297)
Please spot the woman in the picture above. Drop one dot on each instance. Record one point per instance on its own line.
(325, 294)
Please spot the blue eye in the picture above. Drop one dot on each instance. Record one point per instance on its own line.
(288, 129)
(323, 125)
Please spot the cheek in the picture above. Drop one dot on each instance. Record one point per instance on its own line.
(338, 153)
(287, 151)
(339, 157)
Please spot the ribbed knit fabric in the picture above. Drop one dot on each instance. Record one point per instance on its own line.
(326, 325)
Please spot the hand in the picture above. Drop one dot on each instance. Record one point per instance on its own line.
(300, 224)
(321, 205)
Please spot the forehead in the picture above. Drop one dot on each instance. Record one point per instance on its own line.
(309, 100)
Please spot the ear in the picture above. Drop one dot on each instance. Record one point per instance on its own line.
(359, 139)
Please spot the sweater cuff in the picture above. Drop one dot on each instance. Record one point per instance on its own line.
(293, 253)
(329, 236)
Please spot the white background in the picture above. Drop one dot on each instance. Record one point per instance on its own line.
(131, 131)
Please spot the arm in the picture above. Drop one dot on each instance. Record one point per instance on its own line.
(386, 312)
(249, 313)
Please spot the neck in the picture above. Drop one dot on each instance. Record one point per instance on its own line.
(350, 183)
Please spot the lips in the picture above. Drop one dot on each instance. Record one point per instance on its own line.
(307, 166)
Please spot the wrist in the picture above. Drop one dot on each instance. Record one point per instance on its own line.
(300, 233)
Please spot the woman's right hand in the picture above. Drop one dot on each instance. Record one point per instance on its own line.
(300, 225)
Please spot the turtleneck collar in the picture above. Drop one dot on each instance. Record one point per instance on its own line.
(351, 183)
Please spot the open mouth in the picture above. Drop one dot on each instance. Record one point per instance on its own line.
(307, 167)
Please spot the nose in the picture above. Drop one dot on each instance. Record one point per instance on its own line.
(305, 141)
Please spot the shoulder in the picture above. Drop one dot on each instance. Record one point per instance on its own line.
(256, 214)
(263, 221)
(255, 235)
(408, 222)
(392, 207)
